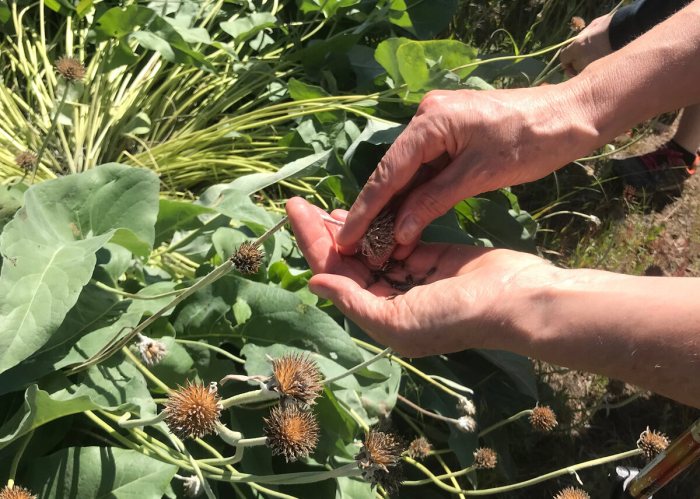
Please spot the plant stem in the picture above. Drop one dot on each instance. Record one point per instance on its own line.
(384, 353)
(125, 422)
(506, 421)
(445, 476)
(16, 459)
(261, 395)
(49, 132)
(433, 415)
(145, 371)
(119, 292)
(212, 348)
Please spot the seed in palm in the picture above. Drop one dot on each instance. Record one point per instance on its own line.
(378, 242)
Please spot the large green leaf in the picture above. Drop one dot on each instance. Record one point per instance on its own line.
(99, 472)
(52, 243)
(244, 28)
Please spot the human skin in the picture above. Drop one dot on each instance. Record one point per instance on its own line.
(645, 330)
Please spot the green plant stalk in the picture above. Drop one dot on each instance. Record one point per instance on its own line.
(132, 296)
(426, 412)
(213, 348)
(17, 457)
(384, 353)
(445, 476)
(299, 478)
(504, 422)
(125, 422)
(145, 371)
(49, 132)
(254, 396)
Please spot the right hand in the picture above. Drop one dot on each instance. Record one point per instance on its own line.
(591, 44)
(476, 141)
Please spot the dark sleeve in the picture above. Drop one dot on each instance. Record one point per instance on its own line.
(639, 17)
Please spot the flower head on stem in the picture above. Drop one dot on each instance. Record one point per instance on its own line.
(16, 492)
(71, 69)
(485, 458)
(543, 419)
(572, 493)
(291, 431)
(247, 258)
(26, 160)
(419, 448)
(380, 458)
(652, 442)
(151, 351)
(193, 410)
(296, 377)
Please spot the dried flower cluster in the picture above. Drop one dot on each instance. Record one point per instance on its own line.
(193, 410)
(380, 459)
(26, 160)
(572, 493)
(543, 419)
(192, 486)
(16, 492)
(485, 458)
(577, 24)
(652, 443)
(291, 431)
(466, 424)
(71, 69)
(419, 448)
(466, 406)
(378, 242)
(296, 377)
(247, 258)
(151, 351)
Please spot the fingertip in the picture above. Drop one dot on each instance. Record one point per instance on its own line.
(403, 251)
(340, 215)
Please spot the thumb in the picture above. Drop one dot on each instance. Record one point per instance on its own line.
(352, 299)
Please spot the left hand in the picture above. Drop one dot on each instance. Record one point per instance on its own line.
(442, 298)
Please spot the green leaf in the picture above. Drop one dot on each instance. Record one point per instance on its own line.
(329, 7)
(10, 202)
(429, 18)
(489, 219)
(52, 241)
(177, 215)
(99, 472)
(299, 90)
(245, 28)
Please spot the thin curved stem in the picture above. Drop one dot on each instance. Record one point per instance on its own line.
(426, 412)
(506, 421)
(384, 353)
(212, 348)
(17, 457)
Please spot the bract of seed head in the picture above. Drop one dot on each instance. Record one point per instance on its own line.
(379, 459)
(543, 418)
(652, 442)
(16, 492)
(485, 458)
(291, 431)
(378, 242)
(26, 160)
(247, 258)
(71, 69)
(193, 410)
(572, 493)
(295, 376)
(419, 448)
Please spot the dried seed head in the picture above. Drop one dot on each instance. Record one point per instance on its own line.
(577, 23)
(379, 459)
(291, 432)
(296, 377)
(26, 160)
(192, 486)
(71, 69)
(247, 258)
(485, 458)
(466, 406)
(152, 351)
(378, 242)
(652, 443)
(543, 419)
(193, 410)
(419, 448)
(16, 492)
(572, 493)
(467, 424)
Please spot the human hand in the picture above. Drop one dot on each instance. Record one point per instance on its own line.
(442, 298)
(473, 141)
(591, 44)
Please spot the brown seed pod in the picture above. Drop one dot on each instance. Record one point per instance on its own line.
(71, 69)
(652, 443)
(543, 419)
(485, 458)
(193, 410)
(577, 24)
(296, 377)
(16, 492)
(378, 242)
(247, 258)
(419, 448)
(572, 493)
(26, 160)
(379, 459)
(291, 432)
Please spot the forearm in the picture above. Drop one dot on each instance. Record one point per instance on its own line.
(657, 72)
(644, 330)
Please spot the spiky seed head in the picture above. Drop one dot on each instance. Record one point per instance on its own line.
(467, 424)
(466, 406)
(485, 458)
(151, 351)
(16, 492)
(652, 442)
(577, 23)
(291, 431)
(379, 459)
(26, 160)
(247, 258)
(419, 448)
(193, 410)
(572, 493)
(71, 69)
(378, 242)
(296, 377)
(543, 418)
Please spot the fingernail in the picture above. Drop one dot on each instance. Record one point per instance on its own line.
(408, 230)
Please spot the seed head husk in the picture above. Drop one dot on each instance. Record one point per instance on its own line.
(151, 351)
(572, 493)
(378, 242)
(71, 69)
(652, 442)
(296, 377)
(291, 431)
(543, 419)
(419, 448)
(16, 492)
(485, 458)
(193, 410)
(26, 160)
(379, 459)
(577, 23)
(247, 258)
